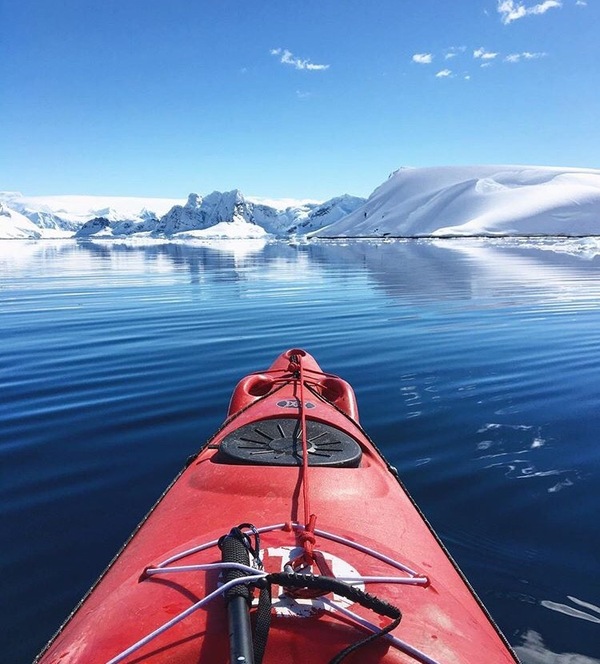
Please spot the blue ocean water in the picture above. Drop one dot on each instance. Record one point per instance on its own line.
(475, 363)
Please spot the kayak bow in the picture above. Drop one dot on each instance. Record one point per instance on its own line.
(230, 564)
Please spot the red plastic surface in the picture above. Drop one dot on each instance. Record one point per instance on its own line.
(366, 504)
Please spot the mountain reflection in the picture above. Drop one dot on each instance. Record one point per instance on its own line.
(451, 269)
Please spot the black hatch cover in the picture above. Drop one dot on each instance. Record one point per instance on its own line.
(277, 442)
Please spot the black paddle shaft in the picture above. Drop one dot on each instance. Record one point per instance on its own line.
(237, 599)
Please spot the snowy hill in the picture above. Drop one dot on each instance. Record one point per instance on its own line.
(413, 202)
(15, 225)
(478, 200)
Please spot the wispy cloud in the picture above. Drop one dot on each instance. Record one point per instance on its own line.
(483, 57)
(526, 55)
(287, 58)
(482, 54)
(512, 10)
(422, 58)
(453, 51)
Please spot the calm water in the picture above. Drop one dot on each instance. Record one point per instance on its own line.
(476, 368)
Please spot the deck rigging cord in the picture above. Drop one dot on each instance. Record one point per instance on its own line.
(168, 566)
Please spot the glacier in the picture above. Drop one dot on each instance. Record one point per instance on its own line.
(449, 201)
(478, 201)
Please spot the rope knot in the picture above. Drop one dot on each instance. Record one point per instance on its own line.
(294, 368)
(306, 537)
(303, 563)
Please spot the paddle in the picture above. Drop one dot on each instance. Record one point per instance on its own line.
(237, 599)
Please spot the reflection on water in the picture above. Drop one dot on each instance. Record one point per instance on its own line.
(476, 370)
(592, 613)
(429, 268)
(513, 448)
(533, 651)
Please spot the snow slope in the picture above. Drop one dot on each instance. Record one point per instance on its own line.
(413, 202)
(478, 200)
(15, 225)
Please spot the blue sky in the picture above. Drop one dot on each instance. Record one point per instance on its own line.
(306, 99)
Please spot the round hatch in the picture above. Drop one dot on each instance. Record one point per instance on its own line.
(278, 442)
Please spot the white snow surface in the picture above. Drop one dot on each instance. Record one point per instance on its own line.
(72, 211)
(226, 215)
(15, 225)
(413, 202)
(283, 203)
(478, 200)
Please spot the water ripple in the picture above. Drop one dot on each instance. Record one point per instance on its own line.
(476, 370)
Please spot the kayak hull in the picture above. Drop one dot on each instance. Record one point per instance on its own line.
(360, 508)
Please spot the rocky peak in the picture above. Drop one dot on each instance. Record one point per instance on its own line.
(194, 201)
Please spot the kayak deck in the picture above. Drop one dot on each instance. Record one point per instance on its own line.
(366, 526)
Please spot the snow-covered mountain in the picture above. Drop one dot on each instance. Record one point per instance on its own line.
(218, 215)
(201, 213)
(16, 225)
(62, 216)
(478, 200)
(413, 202)
(104, 227)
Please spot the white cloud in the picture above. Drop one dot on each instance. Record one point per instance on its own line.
(482, 54)
(453, 51)
(287, 58)
(444, 73)
(512, 10)
(526, 55)
(422, 58)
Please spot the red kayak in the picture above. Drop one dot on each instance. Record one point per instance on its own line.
(287, 538)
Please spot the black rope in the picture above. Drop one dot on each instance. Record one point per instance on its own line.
(262, 623)
(254, 551)
(330, 584)
(238, 545)
(363, 642)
